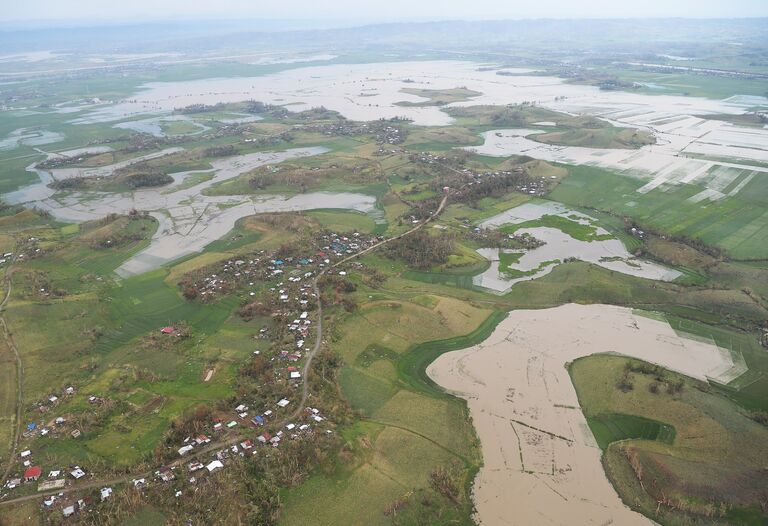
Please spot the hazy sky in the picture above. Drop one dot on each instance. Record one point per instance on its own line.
(366, 9)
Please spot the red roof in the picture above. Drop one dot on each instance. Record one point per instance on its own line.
(167, 330)
(33, 472)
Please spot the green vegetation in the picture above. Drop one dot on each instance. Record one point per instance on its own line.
(612, 427)
(666, 436)
(438, 97)
(575, 228)
(600, 137)
(400, 451)
(736, 224)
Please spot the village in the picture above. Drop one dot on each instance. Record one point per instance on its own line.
(280, 286)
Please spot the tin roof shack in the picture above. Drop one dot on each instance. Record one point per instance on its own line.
(33, 473)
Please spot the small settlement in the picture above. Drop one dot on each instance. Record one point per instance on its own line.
(277, 287)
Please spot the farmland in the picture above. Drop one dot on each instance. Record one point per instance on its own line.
(256, 264)
(735, 224)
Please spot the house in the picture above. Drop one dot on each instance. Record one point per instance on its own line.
(105, 493)
(137, 483)
(168, 330)
(295, 375)
(258, 420)
(166, 475)
(214, 466)
(13, 483)
(25, 453)
(68, 511)
(195, 466)
(185, 449)
(283, 402)
(77, 473)
(231, 424)
(33, 473)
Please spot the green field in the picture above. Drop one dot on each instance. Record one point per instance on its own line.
(737, 224)
(612, 427)
(701, 452)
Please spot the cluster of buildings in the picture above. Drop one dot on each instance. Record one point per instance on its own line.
(292, 272)
(51, 426)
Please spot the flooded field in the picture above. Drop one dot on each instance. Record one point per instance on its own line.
(29, 137)
(537, 262)
(188, 219)
(154, 125)
(538, 451)
(689, 149)
(663, 164)
(371, 91)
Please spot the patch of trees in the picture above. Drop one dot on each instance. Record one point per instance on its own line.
(262, 180)
(493, 186)
(71, 183)
(492, 238)
(761, 417)
(421, 250)
(220, 151)
(255, 106)
(6, 209)
(200, 108)
(697, 244)
(251, 310)
(335, 290)
(142, 141)
(148, 179)
(660, 380)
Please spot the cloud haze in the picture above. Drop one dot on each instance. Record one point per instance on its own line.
(100, 10)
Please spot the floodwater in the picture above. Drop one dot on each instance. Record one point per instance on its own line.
(188, 219)
(608, 253)
(664, 164)
(688, 146)
(541, 464)
(370, 91)
(154, 125)
(29, 137)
